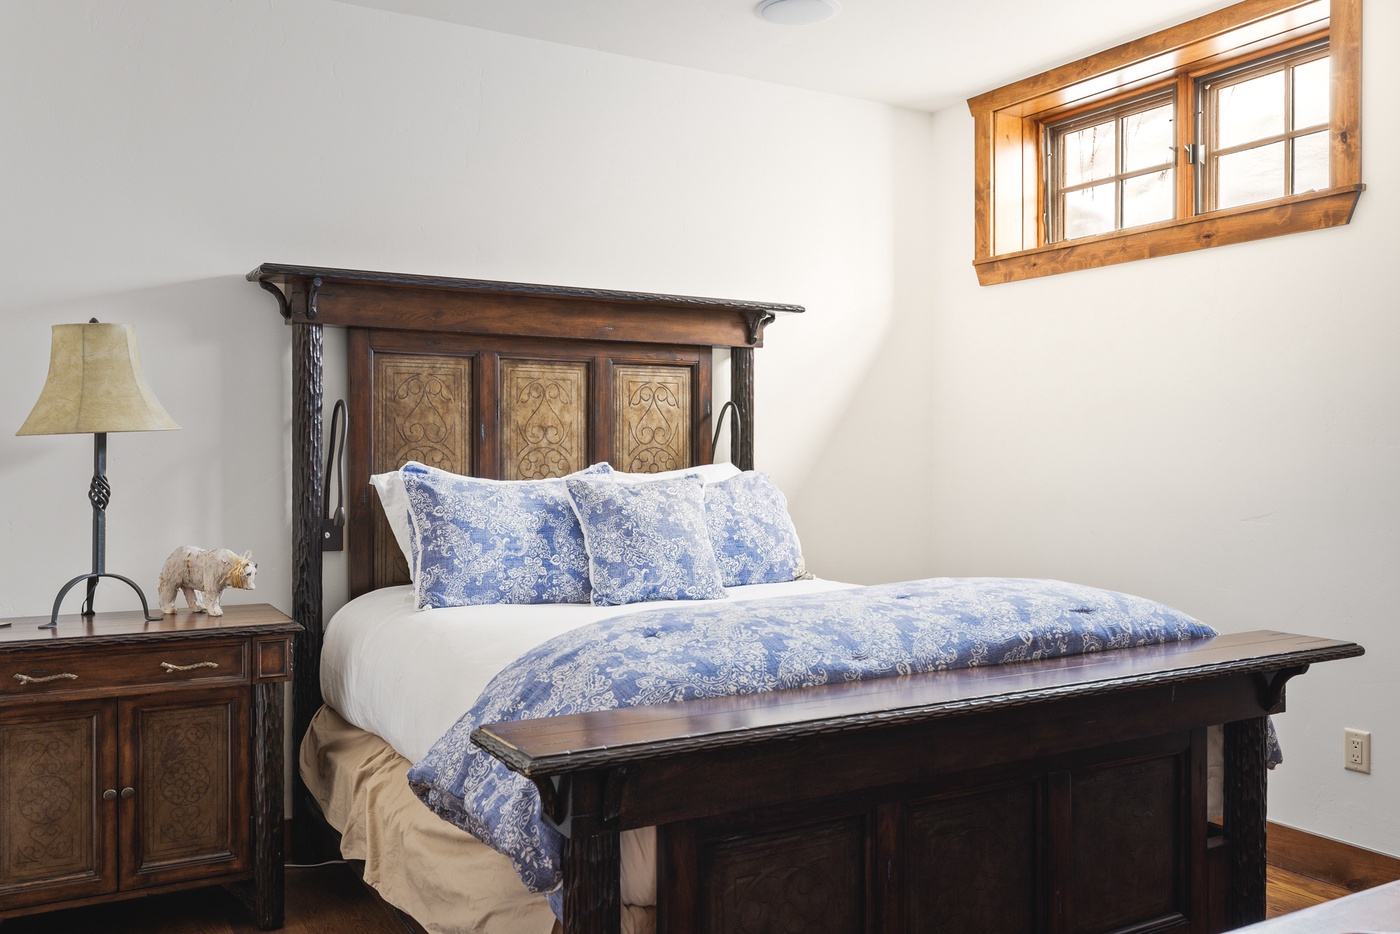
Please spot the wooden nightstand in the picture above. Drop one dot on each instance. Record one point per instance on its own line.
(142, 757)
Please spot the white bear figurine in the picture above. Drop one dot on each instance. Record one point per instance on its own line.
(202, 576)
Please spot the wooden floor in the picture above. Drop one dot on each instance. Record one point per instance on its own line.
(331, 900)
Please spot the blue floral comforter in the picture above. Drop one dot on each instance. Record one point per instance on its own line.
(717, 649)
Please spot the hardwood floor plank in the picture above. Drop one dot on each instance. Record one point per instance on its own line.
(1289, 892)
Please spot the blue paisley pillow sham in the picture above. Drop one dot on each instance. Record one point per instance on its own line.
(492, 541)
(646, 540)
(751, 532)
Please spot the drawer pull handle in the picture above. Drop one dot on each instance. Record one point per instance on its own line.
(109, 795)
(29, 679)
(170, 666)
(128, 793)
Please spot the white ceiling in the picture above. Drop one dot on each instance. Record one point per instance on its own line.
(925, 54)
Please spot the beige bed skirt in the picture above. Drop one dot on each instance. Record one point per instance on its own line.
(446, 879)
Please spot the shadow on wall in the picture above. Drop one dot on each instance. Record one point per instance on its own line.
(216, 354)
(864, 510)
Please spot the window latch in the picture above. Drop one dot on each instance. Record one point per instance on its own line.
(1195, 153)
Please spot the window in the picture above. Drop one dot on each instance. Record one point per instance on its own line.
(1112, 169)
(1265, 130)
(1240, 125)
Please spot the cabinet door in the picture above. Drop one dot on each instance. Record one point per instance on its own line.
(57, 833)
(184, 759)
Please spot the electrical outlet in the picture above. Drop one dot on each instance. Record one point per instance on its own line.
(1357, 753)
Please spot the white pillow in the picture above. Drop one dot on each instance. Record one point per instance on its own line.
(394, 498)
(708, 473)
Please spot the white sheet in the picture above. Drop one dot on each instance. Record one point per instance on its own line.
(407, 674)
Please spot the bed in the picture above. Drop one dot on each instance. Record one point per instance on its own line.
(1060, 795)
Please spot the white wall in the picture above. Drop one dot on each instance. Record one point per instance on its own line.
(1218, 430)
(156, 151)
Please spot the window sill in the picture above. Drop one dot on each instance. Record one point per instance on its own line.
(1313, 210)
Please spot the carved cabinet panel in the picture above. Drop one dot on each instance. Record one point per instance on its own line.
(54, 823)
(179, 757)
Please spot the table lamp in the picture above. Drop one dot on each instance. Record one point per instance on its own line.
(95, 385)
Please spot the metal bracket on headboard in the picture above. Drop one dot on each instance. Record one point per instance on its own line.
(729, 408)
(333, 523)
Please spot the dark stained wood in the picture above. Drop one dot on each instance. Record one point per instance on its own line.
(307, 351)
(741, 390)
(267, 896)
(592, 876)
(143, 756)
(1246, 814)
(357, 298)
(963, 840)
(558, 745)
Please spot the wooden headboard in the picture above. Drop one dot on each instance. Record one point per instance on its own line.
(494, 379)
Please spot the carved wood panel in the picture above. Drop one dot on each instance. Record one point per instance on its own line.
(189, 785)
(544, 418)
(49, 796)
(1127, 845)
(808, 881)
(952, 846)
(651, 418)
(422, 407)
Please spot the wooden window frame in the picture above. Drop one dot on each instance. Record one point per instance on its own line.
(1010, 241)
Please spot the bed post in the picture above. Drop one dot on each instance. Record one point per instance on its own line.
(741, 391)
(307, 345)
(1246, 813)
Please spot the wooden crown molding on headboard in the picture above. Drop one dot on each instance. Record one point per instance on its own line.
(357, 298)
(428, 312)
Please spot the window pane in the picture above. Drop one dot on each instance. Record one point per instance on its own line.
(1249, 176)
(1148, 199)
(1311, 88)
(1089, 154)
(1148, 138)
(1250, 110)
(1310, 163)
(1089, 211)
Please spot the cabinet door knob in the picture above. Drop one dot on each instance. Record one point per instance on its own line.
(128, 792)
(109, 795)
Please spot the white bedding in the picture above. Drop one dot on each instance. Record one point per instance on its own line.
(407, 675)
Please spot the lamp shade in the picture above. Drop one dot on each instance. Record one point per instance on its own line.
(95, 385)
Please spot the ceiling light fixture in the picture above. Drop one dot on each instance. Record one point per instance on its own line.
(797, 12)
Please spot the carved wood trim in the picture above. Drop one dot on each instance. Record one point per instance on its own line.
(592, 884)
(741, 391)
(1246, 816)
(308, 345)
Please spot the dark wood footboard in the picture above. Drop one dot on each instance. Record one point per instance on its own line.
(1055, 796)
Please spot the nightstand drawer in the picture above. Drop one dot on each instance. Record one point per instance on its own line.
(145, 666)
